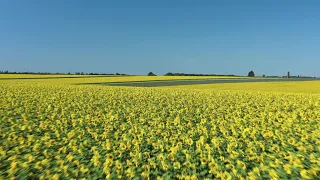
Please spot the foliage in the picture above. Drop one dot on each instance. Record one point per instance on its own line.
(151, 74)
(64, 131)
(48, 73)
(186, 74)
(251, 74)
(302, 87)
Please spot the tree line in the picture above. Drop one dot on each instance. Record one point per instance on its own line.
(186, 74)
(251, 74)
(58, 73)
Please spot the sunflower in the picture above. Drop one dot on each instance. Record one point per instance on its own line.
(203, 161)
(164, 166)
(83, 169)
(160, 157)
(225, 175)
(273, 174)
(176, 165)
(145, 175)
(13, 168)
(275, 148)
(146, 168)
(305, 175)
(118, 165)
(69, 157)
(292, 141)
(171, 157)
(241, 164)
(123, 147)
(130, 173)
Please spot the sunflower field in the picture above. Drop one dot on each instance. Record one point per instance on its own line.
(60, 131)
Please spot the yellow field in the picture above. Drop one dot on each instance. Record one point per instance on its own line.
(57, 79)
(286, 87)
(36, 76)
(51, 129)
(153, 77)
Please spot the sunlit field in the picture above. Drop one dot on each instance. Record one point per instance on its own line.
(305, 87)
(26, 76)
(78, 79)
(55, 129)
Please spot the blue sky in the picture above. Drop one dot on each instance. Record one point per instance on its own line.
(136, 37)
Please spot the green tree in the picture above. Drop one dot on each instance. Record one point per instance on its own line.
(251, 74)
(169, 74)
(151, 74)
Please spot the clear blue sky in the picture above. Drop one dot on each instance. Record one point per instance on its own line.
(135, 37)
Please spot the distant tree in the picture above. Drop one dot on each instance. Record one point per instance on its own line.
(169, 74)
(251, 74)
(263, 75)
(151, 74)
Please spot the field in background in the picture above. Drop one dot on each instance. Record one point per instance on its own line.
(83, 79)
(194, 82)
(198, 82)
(38, 76)
(34, 76)
(55, 129)
(285, 87)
